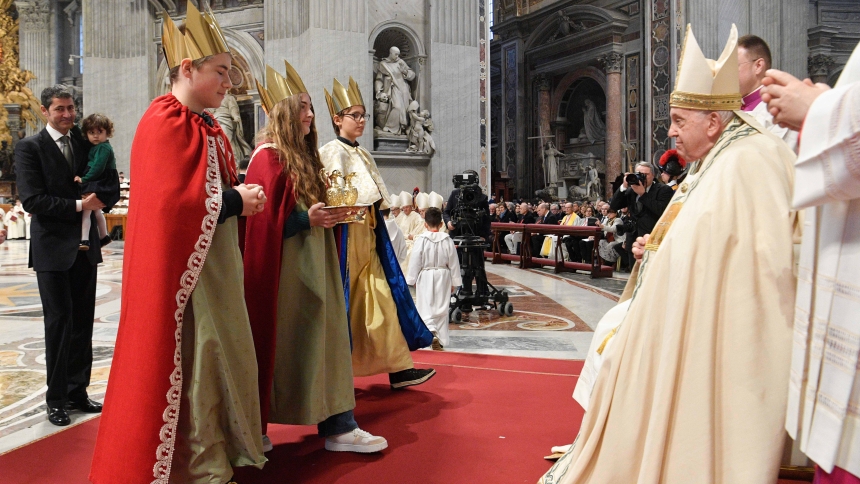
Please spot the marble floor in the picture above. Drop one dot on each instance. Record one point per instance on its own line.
(554, 316)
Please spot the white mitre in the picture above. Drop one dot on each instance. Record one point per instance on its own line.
(394, 201)
(422, 201)
(705, 84)
(436, 200)
(405, 199)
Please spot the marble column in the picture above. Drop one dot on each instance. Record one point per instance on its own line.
(36, 46)
(613, 63)
(14, 121)
(542, 82)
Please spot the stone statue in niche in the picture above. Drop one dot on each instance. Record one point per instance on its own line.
(594, 127)
(392, 93)
(420, 139)
(550, 164)
(228, 117)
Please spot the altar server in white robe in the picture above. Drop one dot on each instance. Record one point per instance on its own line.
(824, 386)
(394, 205)
(397, 242)
(16, 226)
(434, 270)
(689, 390)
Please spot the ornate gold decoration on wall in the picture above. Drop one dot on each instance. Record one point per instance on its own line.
(13, 81)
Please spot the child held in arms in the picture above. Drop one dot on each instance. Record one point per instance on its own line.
(101, 177)
(434, 270)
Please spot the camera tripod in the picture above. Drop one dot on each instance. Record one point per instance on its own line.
(470, 250)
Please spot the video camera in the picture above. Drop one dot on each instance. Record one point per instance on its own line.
(468, 216)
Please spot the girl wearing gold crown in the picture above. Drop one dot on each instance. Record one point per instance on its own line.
(181, 403)
(385, 324)
(295, 302)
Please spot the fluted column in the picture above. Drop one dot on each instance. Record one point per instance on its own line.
(613, 63)
(36, 48)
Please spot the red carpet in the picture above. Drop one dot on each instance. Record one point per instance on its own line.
(481, 419)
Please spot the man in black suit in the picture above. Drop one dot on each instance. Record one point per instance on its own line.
(645, 202)
(47, 164)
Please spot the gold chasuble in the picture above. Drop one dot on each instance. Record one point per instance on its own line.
(693, 388)
(378, 344)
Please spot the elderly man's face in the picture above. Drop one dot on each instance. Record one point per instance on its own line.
(649, 177)
(524, 208)
(541, 210)
(691, 130)
(568, 208)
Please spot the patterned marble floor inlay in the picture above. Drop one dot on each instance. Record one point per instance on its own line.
(553, 317)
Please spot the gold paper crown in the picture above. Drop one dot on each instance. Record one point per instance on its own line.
(279, 87)
(203, 37)
(343, 97)
(705, 84)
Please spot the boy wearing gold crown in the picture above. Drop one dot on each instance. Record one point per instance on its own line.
(695, 391)
(292, 278)
(385, 324)
(181, 404)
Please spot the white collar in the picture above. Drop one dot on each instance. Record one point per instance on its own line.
(55, 135)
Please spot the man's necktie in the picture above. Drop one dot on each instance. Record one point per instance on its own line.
(67, 152)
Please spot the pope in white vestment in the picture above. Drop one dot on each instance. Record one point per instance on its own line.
(434, 269)
(689, 390)
(824, 389)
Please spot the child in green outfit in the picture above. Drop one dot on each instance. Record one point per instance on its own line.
(101, 176)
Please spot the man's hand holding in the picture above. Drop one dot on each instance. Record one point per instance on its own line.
(253, 199)
(788, 98)
(639, 246)
(91, 202)
(639, 189)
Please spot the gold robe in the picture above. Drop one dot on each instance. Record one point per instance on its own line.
(693, 388)
(378, 345)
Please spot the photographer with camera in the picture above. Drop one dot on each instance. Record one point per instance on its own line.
(645, 200)
(467, 185)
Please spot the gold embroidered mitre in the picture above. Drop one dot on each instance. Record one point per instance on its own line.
(705, 84)
(343, 97)
(203, 37)
(279, 87)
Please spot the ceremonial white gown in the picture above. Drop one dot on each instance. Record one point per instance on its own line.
(398, 242)
(689, 390)
(17, 228)
(824, 389)
(433, 269)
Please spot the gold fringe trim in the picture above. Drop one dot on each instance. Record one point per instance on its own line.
(705, 102)
(606, 340)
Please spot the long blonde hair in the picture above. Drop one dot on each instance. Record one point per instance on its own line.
(297, 152)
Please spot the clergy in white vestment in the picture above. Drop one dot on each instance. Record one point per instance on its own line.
(691, 387)
(16, 226)
(394, 204)
(434, 270)
(754, 60)
(824, 388)
(398, 243)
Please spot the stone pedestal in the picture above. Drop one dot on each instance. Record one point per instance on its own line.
(391, 144)
(613, 63)
(404, 171)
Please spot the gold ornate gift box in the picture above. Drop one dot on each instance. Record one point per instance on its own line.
(341, 193)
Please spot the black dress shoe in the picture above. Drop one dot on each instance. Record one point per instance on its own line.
(105, 240)
(85, 245)
(58, 417)
(86, 406)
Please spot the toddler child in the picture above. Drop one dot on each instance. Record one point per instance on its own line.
(101, 177)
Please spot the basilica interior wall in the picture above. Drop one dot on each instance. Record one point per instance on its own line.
(778, 23)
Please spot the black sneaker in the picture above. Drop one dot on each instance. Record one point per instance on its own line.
(410, 377)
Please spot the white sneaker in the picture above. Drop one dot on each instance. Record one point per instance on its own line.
(267, 444)
(356, 441)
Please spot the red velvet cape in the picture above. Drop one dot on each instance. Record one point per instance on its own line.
(178, 163)
(264, 237)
